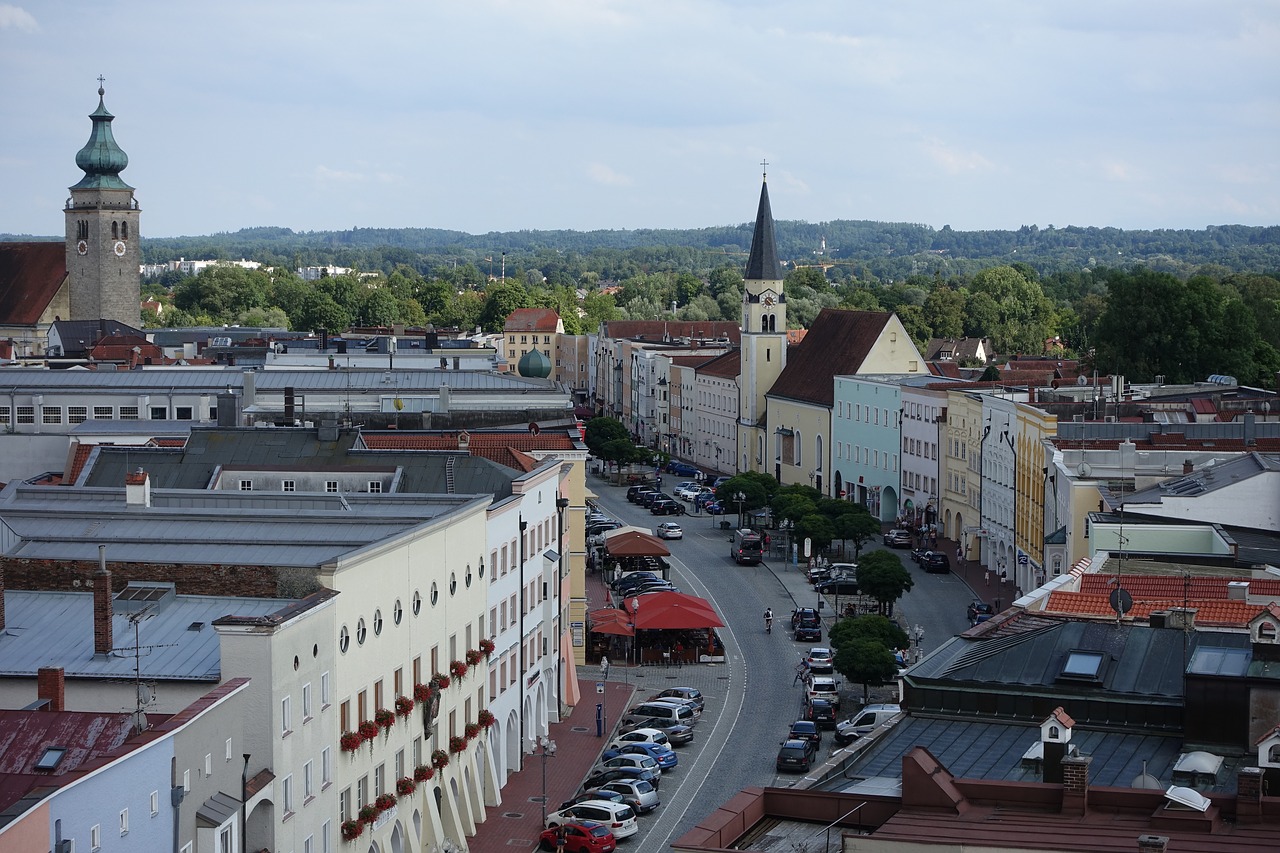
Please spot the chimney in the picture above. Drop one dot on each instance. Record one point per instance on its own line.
(1187, 467)
(1182, 618)
(1075, 784)
(52, 688)
(1249, 795)
(1152, 843)
(137, 489)
(1237, 590)
(102, 610)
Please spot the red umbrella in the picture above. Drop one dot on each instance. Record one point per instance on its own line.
(663, 610)
(611, 621)
(632, 543)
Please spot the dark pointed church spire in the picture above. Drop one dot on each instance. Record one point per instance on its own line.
(762, 263)
(101, 158)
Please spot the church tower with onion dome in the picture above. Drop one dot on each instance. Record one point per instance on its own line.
(764, 337)
(103, 261)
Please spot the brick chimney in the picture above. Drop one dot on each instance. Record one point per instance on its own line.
(1187, 467)
(102, 610)
(52, 687)
(137, 488)
(1152, 843)
(1249, 795)
(1075, 784)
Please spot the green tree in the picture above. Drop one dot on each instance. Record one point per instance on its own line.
(601, 431)
(320, 311)
(817, 528)
(882, 576)
(811, 277)
(379, 307)
(872, 627)
(756, 488)
(223, 291)
(500, 300)
(944, 312)
(856, 527)
(866, 662)
(1023, 313)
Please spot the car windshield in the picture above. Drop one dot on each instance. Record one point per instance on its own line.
(643, 787)
(624, 813)
(598, 831)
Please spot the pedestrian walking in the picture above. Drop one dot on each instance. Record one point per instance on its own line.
(561, 838)
(986, 577)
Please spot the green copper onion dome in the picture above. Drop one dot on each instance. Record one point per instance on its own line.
(534, 365)
(101, 158)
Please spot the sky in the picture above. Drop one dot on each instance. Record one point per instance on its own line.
(502, 115)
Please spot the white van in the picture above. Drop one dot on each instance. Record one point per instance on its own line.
(668, 713)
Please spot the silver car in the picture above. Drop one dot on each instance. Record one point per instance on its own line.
(637, 793)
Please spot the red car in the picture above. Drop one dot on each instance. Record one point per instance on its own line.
(585, 837)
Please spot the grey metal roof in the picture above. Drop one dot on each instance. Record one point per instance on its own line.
(1205, 480)
(993, 751)
(438, 473)
(212, 379)
(203, 527)
(56, 629)
(175, 429)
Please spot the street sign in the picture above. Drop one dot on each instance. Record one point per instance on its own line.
(599, 686)
(808, 547)
(1022, 559)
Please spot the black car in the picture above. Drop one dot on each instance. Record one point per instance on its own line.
(935, 561)
(648, 499)
(806, 624)
(634, 578)
(633, 493)
(805, 730)
(979, 611)
(821, 712)
(842, 585)
(796, 755)
(667, 506)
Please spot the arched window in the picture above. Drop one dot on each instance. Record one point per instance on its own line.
(115, 230)
(817, 452)
(797, 449)
(124, 230)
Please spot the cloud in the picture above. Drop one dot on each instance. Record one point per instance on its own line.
(954, 161)
(16, 18)
(602, 174)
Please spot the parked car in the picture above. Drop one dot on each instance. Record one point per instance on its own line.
(654, 736)
(583, 837)
(633, 493)
(692, 694)
(600, 527)
(686, 491)
(631, 579)
(979, 611)
(642, 760)
(713, 508)
(805, 730)
(824, 687)
(682, 468)
(679, 702)
(839, 585)
(598, 794)
(806, 624)
(647, 499)
(620, 818)
(678, 734)
(822, 712)
(820, 659)
(609, 774)
(704, 497)
(719, 481)
(667, 506)
(659, 752)
(898, 538)
(637, 793)
(864, 722)
(669, 530)
(796, 755)
(935, 561)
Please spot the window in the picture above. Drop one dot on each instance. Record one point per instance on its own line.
(208, 764)
(128, 413)
(95, 837)
(344, 805)
(326, 833)
(306, 702)
(324, 690)
(326, 767)
(103, 413)
(286, 716)
(51, 414)
(288, 486)
(375, 487)
(183, 413)
(379, 778)
(400, 764)
(361, 632)
(331, 486)
(124, 822)
(75, 414)
(246, 485)
(286, 799)
(159, 413)
(26, 414)
(308, 783)
(5, 413)
(155, 803)
(228, 749)
(226, 839)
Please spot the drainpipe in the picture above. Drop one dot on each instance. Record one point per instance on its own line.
(982, 477)
(244, 804)
(524, 525)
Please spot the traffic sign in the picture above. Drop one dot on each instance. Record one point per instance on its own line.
(599, 686)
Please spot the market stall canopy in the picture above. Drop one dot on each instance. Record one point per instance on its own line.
(634, 543)
(667, 610)
(609, 620)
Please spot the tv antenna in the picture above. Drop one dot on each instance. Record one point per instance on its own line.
(144, 693)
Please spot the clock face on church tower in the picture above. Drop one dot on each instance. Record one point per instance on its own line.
(768, 300)
(82, 247)
(120, 248)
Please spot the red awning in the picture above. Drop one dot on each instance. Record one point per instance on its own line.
(663, 610)
(610, 620)
(635, 544)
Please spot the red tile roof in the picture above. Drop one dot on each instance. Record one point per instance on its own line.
(531, 320)
(30, 276)
(726, 366)
(1211, 611)
(837, 344)
(24, 735)
(78, 462)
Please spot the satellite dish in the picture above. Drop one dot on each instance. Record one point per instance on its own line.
(1121, 601)
(1083, 469)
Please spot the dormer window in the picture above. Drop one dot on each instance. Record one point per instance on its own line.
(1054, 733)
(1267, 631)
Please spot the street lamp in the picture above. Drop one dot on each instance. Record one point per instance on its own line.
(635, 617)
(740, 499)
(548, 750)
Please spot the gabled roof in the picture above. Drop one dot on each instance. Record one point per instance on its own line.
(30, 276)
(956, 349)
(837, 344)
(1209, 611)
(72, 332)
(726, 366)
(25, 735)
(532, 320)
(762, 261)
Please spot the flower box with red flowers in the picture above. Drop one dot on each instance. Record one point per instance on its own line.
(368, 730)
(352, 829)
(423, 773)
(440, 681)
(486, 718)
(487, 647)
(384, 718)
(422, 692)
(439, 759)
(457, 744)
(404, 706)
(474, 656)
(350, 741)
(406, 786)
(471, 730)
(368, 814)
(457, 669)
(384, 802)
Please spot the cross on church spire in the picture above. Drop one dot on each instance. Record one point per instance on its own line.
(101, 80)
(764, 167)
